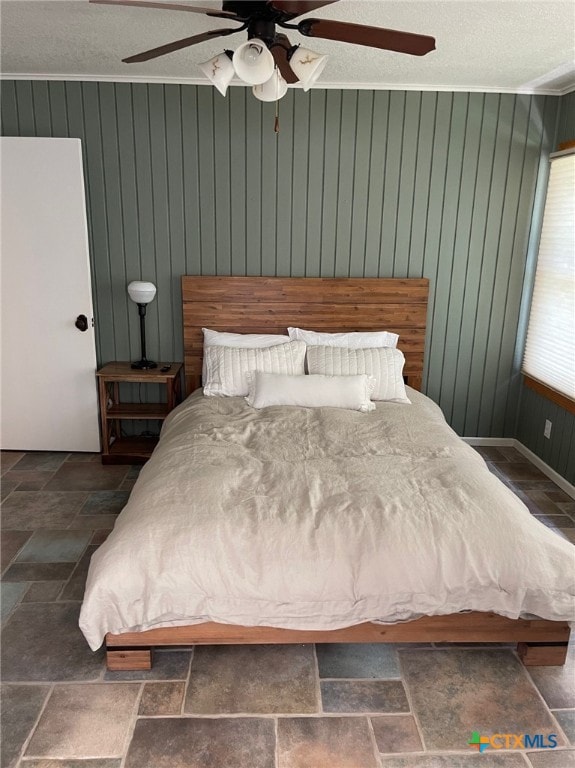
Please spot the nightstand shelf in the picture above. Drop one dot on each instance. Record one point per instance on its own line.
(136, 449)
(138, 411)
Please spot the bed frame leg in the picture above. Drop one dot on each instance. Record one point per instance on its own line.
(542, 654)
(126, 660)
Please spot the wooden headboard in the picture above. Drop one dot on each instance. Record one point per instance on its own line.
(271, 304)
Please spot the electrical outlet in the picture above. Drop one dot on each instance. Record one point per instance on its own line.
(547, 430)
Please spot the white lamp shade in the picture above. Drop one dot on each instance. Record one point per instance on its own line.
(307, 66)
(253, 62)
(141, 292)
(219, 71)
(273, 89)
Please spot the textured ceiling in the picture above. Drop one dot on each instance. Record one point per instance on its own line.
(481, 45)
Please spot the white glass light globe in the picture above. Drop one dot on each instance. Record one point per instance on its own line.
(141, 292)
(307, 65)
(272, 90)
(253, 62)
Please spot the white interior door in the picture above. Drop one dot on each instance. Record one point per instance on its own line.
(48, 388)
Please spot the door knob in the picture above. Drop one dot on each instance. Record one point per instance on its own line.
(81, 323)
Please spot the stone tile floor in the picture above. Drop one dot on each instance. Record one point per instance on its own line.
(330, 706)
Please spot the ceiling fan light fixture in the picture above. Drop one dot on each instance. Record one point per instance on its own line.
(253, 62)
(273, 89)
(219, 70)
(307, 65)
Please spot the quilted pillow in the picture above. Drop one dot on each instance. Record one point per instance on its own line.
(227, 367)
(383, 363)
(252, 340)
(352, 392)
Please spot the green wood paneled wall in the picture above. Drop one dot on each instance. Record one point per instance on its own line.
(559, 450)
(180, 180)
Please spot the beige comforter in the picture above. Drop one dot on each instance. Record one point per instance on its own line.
(319, 518)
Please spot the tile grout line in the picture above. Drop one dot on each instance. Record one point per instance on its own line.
(273, 715)
(130, 731)
(187, 681)
(13, 558)
(94, 681)
(18, 602)
(319, 699)
(361, 680)
(276, 745)
(33, 729)
(373, 742)
(410, 702)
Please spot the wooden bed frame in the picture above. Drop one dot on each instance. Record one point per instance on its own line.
(270, 305)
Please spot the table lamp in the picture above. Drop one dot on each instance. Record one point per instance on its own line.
(142, 293)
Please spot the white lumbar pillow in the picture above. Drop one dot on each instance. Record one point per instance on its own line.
(384, 364)
(352, 392)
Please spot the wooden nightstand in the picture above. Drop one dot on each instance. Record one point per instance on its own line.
(120, 449)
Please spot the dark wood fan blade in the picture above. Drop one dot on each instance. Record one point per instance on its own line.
(177, 45)
(169, 7)
(295, 8)
(279, 50)
(375, 37)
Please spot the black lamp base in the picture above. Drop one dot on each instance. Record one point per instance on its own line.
(144, 365)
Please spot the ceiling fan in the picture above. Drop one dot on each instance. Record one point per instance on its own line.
(261, 17)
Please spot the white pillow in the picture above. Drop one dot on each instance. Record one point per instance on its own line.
(384, 364)
(351, 392)
(353, 340)
(251, 340)
(227, 367)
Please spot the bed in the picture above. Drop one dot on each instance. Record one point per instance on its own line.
(355, 565)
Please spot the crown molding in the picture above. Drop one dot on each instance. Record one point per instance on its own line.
(323, 86)
(565, 72)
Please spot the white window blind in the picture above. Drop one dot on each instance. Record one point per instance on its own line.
(550, 346)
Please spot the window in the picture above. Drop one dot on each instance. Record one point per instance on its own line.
(549, 360)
